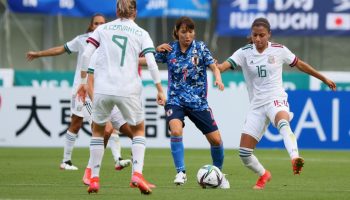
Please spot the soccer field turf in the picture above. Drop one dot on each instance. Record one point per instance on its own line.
(33, 173)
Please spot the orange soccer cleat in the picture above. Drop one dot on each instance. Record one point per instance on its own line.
(297, 164)
(87, 176)
(94, 185)
(139, 181)
(260, 184)
(150, 185)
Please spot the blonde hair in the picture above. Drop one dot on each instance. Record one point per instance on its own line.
(126, 8)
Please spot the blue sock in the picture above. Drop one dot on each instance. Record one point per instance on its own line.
(217, 154)
(177, 150)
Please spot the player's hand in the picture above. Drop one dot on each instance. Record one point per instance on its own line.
(161, 98)
(31, 55)
(220, 85)
(331, 84)
(164, 47)
(82, 92)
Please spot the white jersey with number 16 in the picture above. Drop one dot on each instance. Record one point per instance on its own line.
(120, 44)
(263, 71)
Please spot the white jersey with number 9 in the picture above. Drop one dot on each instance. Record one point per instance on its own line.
(120, 44)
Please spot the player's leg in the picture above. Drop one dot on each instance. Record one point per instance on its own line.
(175, 118)
(280, 115)
(72, 133)
(102, 108)
(96, 154)
(253, 129)
(70, 138)
(117, 122)
(249, 160)
(204, 121)
(132, 110)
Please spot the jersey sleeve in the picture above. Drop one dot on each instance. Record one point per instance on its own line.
(288, 57)
(207, 57)
(95, 38)
(237, 59)
(161, 57)
(72, 46)
(147, 45)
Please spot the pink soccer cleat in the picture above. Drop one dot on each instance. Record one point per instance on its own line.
(87, 176)
(139, 181)
(260, 184)
(94, 185)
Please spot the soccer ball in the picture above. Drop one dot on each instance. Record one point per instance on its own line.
(209, 176)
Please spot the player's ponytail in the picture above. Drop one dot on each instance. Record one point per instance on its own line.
(126, 8)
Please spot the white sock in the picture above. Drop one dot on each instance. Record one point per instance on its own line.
(250, 161)
(96, 154)
(69, 145)
(114, 144)
(90, 162)
(289, 139)
(138, 149)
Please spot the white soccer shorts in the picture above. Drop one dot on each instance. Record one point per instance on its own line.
(81, 109)
(258, 119)
(130, 107)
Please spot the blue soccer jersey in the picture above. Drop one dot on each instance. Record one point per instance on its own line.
(187, 76)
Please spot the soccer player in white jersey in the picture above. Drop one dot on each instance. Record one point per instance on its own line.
(117, 82)
(77, 108)
(261, 62)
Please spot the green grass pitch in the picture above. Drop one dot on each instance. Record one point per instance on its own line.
(33, 173)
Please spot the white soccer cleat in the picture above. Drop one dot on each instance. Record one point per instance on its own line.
(180, 178)
(224, 183)
(68, 165)
(121, 164)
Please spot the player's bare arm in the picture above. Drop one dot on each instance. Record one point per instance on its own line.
(83, 87)
(224, 66)
(54, 51)
(304, 67)
(217, 75)
(90, 83)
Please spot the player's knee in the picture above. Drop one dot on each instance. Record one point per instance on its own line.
(245, 155)
(176, 133)
(74, 127)
(108, 129)
(215, 142)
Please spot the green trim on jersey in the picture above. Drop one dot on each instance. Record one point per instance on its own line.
(148, 50)
(232, 62)
(248, 46)
(90, 71)
(67, 49)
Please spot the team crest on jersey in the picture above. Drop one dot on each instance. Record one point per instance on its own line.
(195, 58)
(169, 112)
(271, 60)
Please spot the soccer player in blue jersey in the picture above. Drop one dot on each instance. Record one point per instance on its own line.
(187, 61)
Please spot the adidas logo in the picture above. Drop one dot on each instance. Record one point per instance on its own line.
(251, 62)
